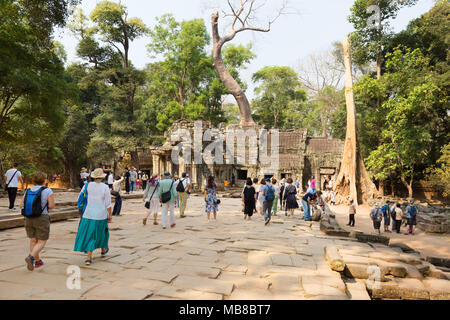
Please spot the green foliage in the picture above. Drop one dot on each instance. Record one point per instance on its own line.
(407, 133)
(439, 175)
(279, 97)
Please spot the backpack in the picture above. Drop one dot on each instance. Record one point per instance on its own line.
(180, 186)
(166, 196)
(412, 211)
(32, 207)
(377, 215)
(82, 200)
(270, 194)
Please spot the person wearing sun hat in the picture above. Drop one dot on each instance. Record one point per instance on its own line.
(93, 231)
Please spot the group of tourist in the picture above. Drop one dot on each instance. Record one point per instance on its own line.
(393, 211)
(267, 192)
(166, 191)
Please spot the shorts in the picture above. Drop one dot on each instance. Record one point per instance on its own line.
(412, 221)
(38, 228)
(376, 224)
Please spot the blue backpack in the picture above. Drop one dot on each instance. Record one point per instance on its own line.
(412, 211)
(82, 200)
(32, 205)
(269, 194)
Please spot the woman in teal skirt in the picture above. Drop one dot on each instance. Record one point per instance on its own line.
(93, 231)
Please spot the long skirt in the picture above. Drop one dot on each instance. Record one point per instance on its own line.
(91, 235)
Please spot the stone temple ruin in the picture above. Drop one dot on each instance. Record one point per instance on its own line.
(300, 157)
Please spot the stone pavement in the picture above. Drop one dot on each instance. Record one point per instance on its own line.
(226, 259)
(435, 245)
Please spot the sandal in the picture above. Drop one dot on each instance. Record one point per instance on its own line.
(155, 223)
(173, 225)
(144, 222)
(30, 262)
(88, 262)
(38, 263)
(104, 253)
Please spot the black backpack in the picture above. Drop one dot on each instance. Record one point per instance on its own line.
(180, 186)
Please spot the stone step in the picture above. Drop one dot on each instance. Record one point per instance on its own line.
(17, 221)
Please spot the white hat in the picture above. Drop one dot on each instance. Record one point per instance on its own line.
(98, 174)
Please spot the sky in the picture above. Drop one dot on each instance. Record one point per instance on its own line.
(311, 27)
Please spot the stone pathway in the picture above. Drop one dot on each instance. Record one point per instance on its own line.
(226, 259)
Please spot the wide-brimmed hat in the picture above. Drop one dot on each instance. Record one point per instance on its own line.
(98, 174)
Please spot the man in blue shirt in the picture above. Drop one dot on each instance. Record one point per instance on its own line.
(268, 194)
(307, 201)
(386, 216)
(411, 210)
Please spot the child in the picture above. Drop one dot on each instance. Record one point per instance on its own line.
(351, 213)
(376, 216)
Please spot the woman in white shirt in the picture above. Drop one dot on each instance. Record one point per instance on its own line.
(93, 231)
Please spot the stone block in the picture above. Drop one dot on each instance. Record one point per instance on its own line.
(357, 291)
(260, 258)
(439, 289)
(109, 292)
(204, 285)
(186, 294)
(284, 282)
(280, 259)
(334, 259)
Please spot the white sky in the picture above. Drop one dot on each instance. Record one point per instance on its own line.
(292, 38)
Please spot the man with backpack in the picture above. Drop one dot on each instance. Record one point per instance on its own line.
(376, 215)
(183, 186)
(411, 210)
(268, 194)
(168, 198)
(36, 203)
(12, 178)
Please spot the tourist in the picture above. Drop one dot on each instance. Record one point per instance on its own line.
(277, 195)
(167, 187)
(116, 193)
(183, 187)
(144, 181)
(127, 180)
(110, 180)
(93, 231)
(38, 227)
(325, 185)
(256, 184)
(176, 179)
(411, 210)
(138, 183)
(313, 184)
(151, 199)
(386, 216)
(330, 189)
(297, 183)
(376, 215)
(398, 217)
(282, 202)
(225, 185)
(12, 178)
(290, 197)
(133, 176)
(84, 175)
(392, 212)
(268, 193)
(262, 183)
(211, 198)
(351, 213)
(307, 202)
(248, 199)
(320, 206)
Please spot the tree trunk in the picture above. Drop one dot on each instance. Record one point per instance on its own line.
(228, 81)
(381, 187)
(352, 179)
(392, 188)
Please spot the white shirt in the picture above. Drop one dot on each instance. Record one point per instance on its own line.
(99, 199)
(117, 184)
(84, 175)
(15, 180)
(110, 179)
(44, 197)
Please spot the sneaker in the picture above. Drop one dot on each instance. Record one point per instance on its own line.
(267, 222)
(30, 262)
(38, 263)
(88, 262)
(13, 209)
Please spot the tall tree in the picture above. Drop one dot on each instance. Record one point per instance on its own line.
(278, 96)
(371, 20)
(242, 14)
(353, 178)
